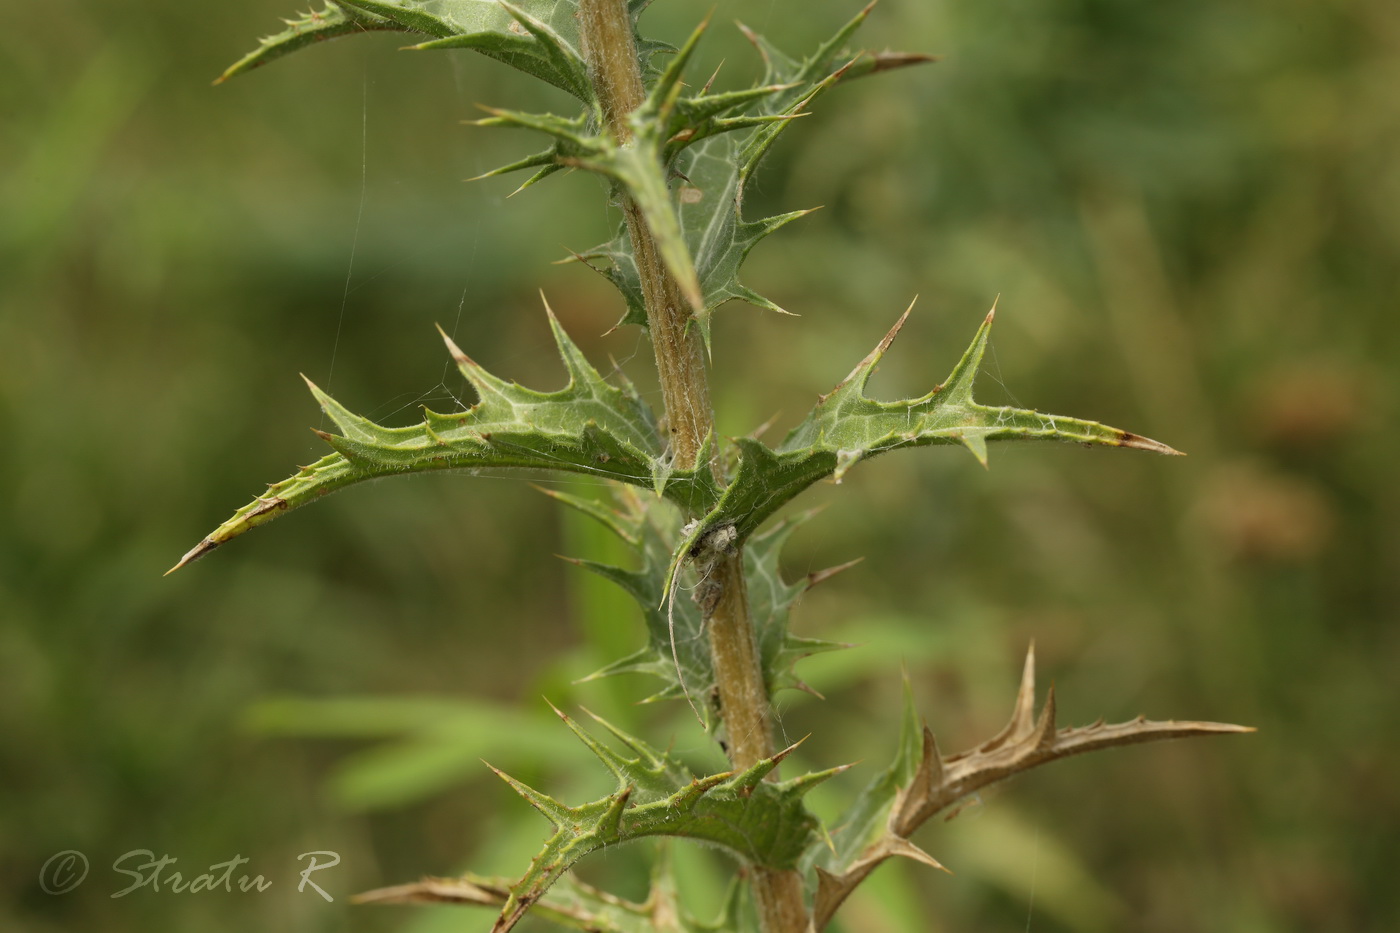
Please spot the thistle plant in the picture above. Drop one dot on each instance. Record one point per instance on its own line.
(700, 513)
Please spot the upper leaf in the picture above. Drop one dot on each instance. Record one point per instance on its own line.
(713, 144)
(330, 22)
(712, 230)
(540, 37)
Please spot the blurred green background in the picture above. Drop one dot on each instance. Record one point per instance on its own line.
(1191, 213)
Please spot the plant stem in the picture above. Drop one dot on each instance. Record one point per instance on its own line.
(610, 50)
(744, 705)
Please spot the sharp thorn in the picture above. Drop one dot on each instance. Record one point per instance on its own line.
(821, 576)
(194, 554)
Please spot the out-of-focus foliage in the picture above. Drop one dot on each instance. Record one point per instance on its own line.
(1190, 213)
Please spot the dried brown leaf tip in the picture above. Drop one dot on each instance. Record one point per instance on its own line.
(438, 891)
(1027, 741)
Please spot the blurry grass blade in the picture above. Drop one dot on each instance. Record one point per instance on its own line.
(437, 744)
(1031, 864)
(41, 188)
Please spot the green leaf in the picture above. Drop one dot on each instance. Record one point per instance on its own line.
(574, 905)
(637, 168)
(759, 822)
(636, 171)
(713, 144)
(677, 651)
(539, 37)
(847, 427)
(771, 599)
(330, 22)
(536, 39)
(712, 232)
(714, 151)
(587, 427)
(865, 818)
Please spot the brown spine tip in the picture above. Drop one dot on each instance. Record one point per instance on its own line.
(461, 358)
(1138, 442)
(790, 749)
(888, 61)
(194, 554)
(753, 39)
(821, 576)
(874, 356)
(549, 312)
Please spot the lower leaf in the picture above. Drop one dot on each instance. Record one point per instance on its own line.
(922, 782)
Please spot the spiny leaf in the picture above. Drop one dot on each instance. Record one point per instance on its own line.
(541, 51)
(637, 168)
(759, 822)
(771, 599)
(573, 133)
(624, 521)
(803, 81)
(922, 782)
(572, 904)
(330, 22)
(864, 818)
(713, 233)
(677, 651)
(648, 775)
(847, 427)
(539, 37)
(714, 144)
(587, 427)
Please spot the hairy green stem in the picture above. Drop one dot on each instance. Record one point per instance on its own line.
(611, 52)
(744, 704)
